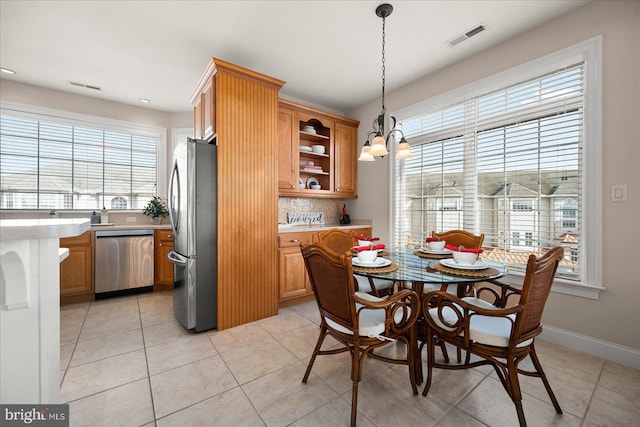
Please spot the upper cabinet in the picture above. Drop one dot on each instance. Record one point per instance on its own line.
(317, 153)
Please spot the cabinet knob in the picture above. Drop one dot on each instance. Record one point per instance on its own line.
(294, 241)
(168, 236)
(293, 186)
(160, 244)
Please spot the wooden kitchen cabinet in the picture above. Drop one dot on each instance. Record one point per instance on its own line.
(335, 169)
(76, 272)
(293, 281)
(163, 277)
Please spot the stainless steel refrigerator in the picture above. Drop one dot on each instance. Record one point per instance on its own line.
(193, 215)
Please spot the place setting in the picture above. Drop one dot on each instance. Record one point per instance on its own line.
(368, 243)
(465, 262)
(368, 259)
(434, 249)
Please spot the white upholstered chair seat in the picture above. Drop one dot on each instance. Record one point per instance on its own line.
(371, 321)
(494, 331)
(365, 286)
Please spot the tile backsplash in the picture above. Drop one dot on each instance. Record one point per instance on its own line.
(330, 207)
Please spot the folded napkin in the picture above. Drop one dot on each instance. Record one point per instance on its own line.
(432, 239)
(368, 239)
(368, 248)
(456, 249)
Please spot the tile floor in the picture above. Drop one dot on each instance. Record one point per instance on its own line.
(127, 361)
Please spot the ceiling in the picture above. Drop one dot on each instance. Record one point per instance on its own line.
(328, 52)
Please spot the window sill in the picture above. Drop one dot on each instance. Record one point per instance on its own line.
(562, 286)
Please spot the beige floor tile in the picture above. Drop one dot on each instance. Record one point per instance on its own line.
(387, 400)
(80, 306)
(621, 379)
(301, 342)
(281, 398)
(66, 350)
(286, 320)
(94, 377)
(231, 408)
(573, 393)
(180, 352)
(335, 413)
(107, 346)
(113, 307)
(183, 386)
(490, 404)
(231, 339)
(453, 385)
(164, 332)
(127, 405)
(155, 300)
(157, 316)
(71, 322)
(105, 325)
(569, 361)
(308, 310)
(257, 359)
(609, 408)
(457, 418)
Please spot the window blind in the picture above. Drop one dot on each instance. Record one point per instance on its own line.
(51, 165)
(507, 164)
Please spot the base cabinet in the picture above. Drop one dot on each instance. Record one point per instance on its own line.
(163, 277)
(76, 272)
(293, 280)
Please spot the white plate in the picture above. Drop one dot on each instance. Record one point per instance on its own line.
(434, 252)
(449, 262)
(378, 262)
(312, 181)
(305, 148)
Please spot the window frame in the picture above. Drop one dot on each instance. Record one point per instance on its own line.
(589, 52)
(77, 119)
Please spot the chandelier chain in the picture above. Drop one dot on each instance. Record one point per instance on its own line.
(383, 68)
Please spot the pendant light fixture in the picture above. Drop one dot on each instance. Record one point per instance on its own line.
(378, 146)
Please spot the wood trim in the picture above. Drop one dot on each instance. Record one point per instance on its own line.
(285, 103)
(73, 299)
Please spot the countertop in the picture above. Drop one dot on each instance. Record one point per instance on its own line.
(25, 229)
(132, 226)
(291, 228)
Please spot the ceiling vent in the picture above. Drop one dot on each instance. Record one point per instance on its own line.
(468, 34)
(86, 86)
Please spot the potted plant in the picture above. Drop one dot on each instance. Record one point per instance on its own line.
(156, 209)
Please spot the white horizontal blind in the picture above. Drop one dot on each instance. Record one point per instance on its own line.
(50, 165)
(507, 164)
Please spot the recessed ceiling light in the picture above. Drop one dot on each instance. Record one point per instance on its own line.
(7, 71)
(145, 100)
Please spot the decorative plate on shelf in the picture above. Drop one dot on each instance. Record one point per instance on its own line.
(312, 181)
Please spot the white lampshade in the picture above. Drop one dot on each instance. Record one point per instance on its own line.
(378, 147)
(365, 154)
(403, 151)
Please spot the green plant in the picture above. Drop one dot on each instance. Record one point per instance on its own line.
(156, 207)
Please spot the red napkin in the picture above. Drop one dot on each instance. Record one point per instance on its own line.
(432, 239)
(368, 239)
(366, 248)
(455, 248)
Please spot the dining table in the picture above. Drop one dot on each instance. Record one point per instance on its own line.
(423, 271)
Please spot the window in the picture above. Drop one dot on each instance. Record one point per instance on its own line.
(49, 162)
(513, 158)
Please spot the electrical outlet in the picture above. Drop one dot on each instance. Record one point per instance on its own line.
(131, 219)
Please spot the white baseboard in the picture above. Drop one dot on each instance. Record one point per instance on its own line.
(607, 350)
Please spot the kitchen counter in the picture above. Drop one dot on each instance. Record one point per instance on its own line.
(131, 226)
(30, 257)
(295, 228)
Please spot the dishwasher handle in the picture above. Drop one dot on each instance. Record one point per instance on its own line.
(177, 259)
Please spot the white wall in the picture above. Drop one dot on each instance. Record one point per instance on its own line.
(615, 317)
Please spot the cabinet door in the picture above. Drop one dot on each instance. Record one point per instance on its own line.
(163, 267)
(197, 119)
(287, 153)
(345, 143)
(76, 272)
(209, 110)
(293, 280)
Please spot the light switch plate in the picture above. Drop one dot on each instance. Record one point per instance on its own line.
(619, 193)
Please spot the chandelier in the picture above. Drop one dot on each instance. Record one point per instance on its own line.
(378, 146)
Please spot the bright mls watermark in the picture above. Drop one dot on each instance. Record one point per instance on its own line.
(37, 415)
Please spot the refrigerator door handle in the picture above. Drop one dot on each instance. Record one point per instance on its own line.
(177, 259)
(174, 203)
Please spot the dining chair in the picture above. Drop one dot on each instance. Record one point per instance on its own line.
(469, 241)
(501, 336)
(341, 242)
(359, 321)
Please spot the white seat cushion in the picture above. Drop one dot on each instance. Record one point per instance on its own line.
(365, 286)
(371, 320)
(486, 330)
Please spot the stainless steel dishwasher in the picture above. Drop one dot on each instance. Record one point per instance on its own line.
(124, 262)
